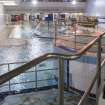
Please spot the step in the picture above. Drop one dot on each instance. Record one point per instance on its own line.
(49, 97)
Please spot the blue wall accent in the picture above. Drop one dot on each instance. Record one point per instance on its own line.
(65, 73)
(49, 18)
(87, 59)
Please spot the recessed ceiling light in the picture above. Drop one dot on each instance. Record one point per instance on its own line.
(74, 2)
(34, 2)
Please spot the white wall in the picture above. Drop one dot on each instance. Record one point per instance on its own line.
(96, 8)
(82, 74)
(2, 19)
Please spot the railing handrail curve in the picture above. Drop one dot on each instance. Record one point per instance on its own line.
(87, 92)
(15, 72)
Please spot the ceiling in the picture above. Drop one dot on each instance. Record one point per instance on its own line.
(16, 2)
(42, 0)
(46, 7)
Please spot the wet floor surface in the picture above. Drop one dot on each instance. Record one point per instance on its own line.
(49, 97)
(25, 51)
(25, 44)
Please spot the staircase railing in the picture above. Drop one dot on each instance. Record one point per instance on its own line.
(21, 83)
(15, 72)
(87, 92)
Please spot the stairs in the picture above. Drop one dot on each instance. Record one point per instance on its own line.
(102, 97)
(49, 97)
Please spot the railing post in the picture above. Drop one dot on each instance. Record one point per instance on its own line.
(55, 32)
(9, 80)
(68, 76)
(99, 69)
(75, 34)
(61, 82)
(35, 77)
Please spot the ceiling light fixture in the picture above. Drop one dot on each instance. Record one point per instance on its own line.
(11, 2)
(74, 2)
(34, 2)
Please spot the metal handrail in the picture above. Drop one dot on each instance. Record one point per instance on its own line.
(10, 63)
(7, 76)
(87, 92)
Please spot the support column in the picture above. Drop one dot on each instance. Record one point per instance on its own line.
(99, 69)
(61, 82)
(68, 76)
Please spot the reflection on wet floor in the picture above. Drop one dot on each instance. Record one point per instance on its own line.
(40, 30)
(24, 47)
(25, 52)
